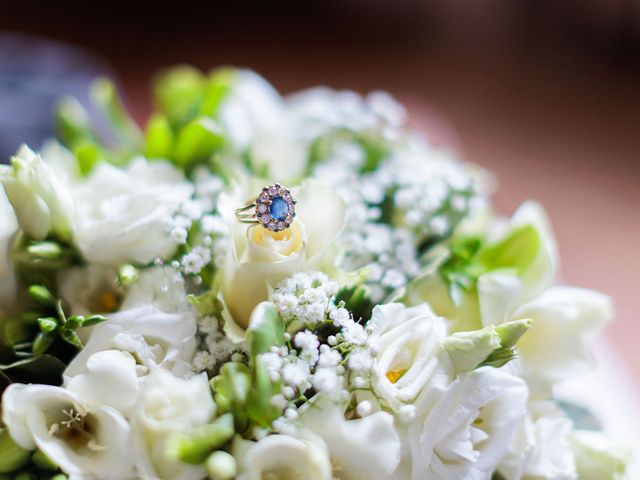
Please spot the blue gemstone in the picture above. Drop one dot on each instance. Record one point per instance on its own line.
(278, 208)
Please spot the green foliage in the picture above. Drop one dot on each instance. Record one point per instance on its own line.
(266, 329)
(231, 391)
(357, 300)
(471, 257)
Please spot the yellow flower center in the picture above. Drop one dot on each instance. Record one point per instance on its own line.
(394, 375)
(285, 242)
(108, 302)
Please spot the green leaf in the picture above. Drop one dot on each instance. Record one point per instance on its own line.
(217, 88)
(41, 460)
(266, 329)
(104, 95)
(178, 93)
(88, 154)
(516, 251)
(12, 456)
(194, 446)
(72, 121)
(197, 141)
(15, 332)
(357, 300)
(45, 369)
(159, 137)
(231, 391)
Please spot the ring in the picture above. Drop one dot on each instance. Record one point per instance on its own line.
(274, 209)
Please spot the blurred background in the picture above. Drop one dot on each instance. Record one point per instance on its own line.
(544, 93)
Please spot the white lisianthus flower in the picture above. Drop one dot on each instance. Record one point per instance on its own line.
(257, 257)
(42, 202)
(541, 447)
(84, 440)
(169, 405)
(123, 215)
(501, 291)
(283, 457)
(518, 271)
(558, 345)
(367, 447)
(465, 430)
(409, 352)
(8, 228)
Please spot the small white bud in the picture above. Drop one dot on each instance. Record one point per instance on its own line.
(332, 340)
(291, 413)
(364, 408)
(359, 382)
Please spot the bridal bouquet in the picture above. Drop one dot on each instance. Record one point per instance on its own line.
(265, 287)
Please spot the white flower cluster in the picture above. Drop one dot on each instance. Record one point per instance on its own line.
(305, 297)
(310, 361)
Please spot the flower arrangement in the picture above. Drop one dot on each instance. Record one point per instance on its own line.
(267, 287)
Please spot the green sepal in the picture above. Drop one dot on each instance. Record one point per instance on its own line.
(93, 320)
(12, 456)
(48, 324)
(194, 446)
(41, 295)
(266, 329)
(260, 408)
(231, 390)
(43, 342)
(71, 338)
(491, 346)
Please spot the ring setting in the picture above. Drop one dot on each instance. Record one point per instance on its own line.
(274, 209)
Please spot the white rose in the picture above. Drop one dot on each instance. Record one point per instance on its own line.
(83, 440)
(366, 447)
(123, 214)
(257, 257)
(283, 457)
(541, 448)
(42, 202)
(168, 405)
(409, 352)
(558, 345)
(465, 430)
(8, 228)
